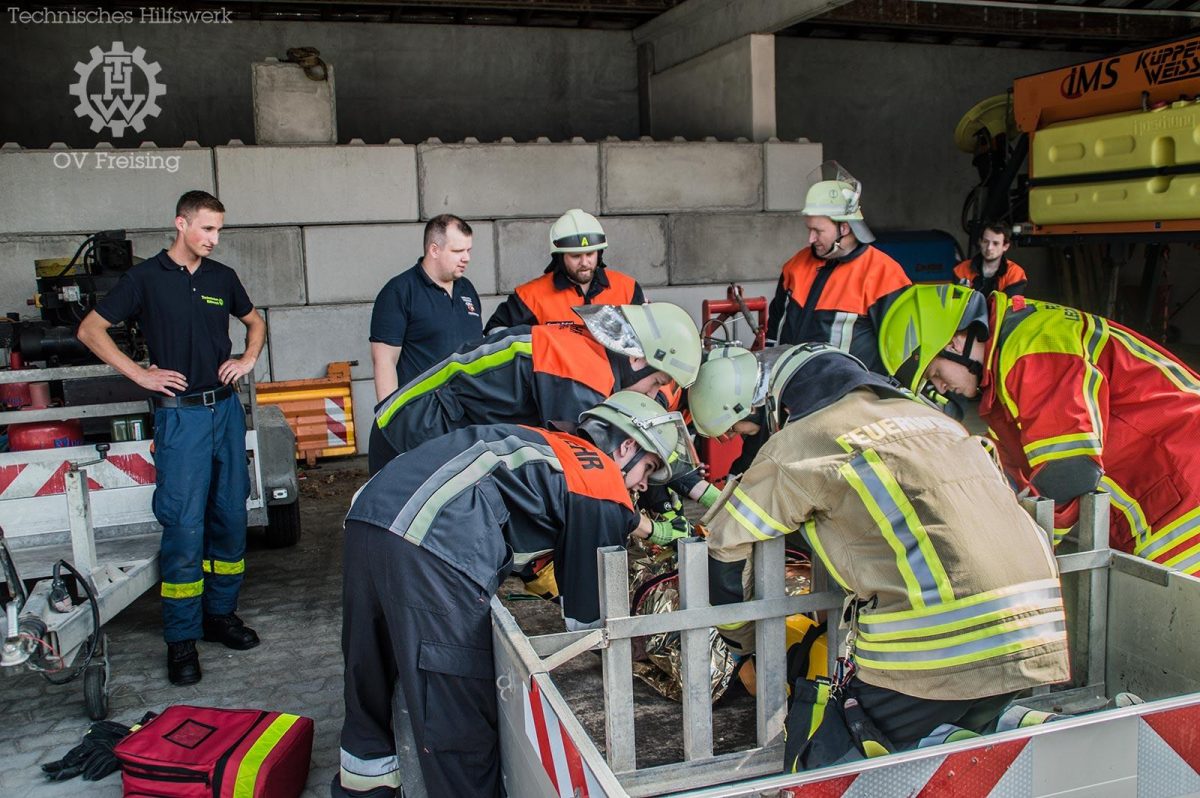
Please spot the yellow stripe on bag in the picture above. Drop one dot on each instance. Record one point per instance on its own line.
(247, 775)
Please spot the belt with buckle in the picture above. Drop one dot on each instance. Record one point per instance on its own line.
(205, 398)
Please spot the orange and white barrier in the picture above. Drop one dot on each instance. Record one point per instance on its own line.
(569, 774)
(320, 412)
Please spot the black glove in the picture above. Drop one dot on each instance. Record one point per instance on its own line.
(93, 758)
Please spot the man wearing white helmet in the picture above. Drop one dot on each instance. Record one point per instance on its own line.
(836, 289)
(577, 275)
(428, 541)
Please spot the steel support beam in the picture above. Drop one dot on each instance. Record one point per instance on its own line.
(697, 26)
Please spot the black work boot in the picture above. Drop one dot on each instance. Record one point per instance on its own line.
(230, 631)
(183, 663)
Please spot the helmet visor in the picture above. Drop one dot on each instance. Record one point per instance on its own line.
(678, 459)
(767, 358)
(848, 190)
(611, 329)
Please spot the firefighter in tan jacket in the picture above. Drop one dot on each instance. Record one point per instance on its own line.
(952, 589)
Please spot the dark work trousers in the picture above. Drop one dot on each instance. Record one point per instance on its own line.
(200, 500)
(379, 451)
(409, 618)
(423, 418)
(906, 719)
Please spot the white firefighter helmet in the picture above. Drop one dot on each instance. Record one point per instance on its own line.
(577, 231)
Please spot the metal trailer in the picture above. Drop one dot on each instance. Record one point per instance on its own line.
(1131, 630)
(91, 506)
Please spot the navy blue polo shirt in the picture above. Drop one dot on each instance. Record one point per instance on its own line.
(418, 315)
(184, 315)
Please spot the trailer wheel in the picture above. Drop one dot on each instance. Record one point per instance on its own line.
(95, 690)
(283, 525)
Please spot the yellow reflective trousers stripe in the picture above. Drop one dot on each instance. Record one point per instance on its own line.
(223, 568)
(247, 774)
(178, 590)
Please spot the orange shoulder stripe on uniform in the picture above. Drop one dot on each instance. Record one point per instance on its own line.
(545, 302)
(798, 275)
(1012, 274)
(619, 291)
(963, 271)
(858, 284)
(588, 471)
(563, 352)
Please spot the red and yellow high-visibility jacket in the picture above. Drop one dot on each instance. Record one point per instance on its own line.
(838, 301)
(1062, 384)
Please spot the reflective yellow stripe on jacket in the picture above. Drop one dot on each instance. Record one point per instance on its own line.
(476, 361)
(922, 571)
(940, 630)
(757, 521)
(1062, 446)
(963, 631)
(1157, 545)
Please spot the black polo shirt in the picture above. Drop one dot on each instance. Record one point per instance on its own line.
(418, 315)
(184, 316)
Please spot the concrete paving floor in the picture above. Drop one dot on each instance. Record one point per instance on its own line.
(292, 597)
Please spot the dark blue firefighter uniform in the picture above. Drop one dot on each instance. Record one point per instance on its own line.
(521, 375)
(199, 445)
(428, 541)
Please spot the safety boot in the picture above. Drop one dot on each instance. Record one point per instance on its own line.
(183, 663)
(230, 631)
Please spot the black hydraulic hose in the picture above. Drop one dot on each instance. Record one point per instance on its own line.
(75, 257)
(93, 640)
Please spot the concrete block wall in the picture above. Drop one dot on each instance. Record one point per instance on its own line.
(319, 184)
(315, 231)
(651, 177)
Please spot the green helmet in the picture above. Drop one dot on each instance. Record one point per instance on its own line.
(920, 324)
(789, 361)
(835, 193)
(577, 231)
(728, 388)
(663, 334)
(656, 430)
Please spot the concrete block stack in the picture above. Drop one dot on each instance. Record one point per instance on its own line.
(314, 231)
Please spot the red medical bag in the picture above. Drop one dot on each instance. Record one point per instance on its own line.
(201, 752)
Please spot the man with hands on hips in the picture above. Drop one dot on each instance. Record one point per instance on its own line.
(183, 301)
